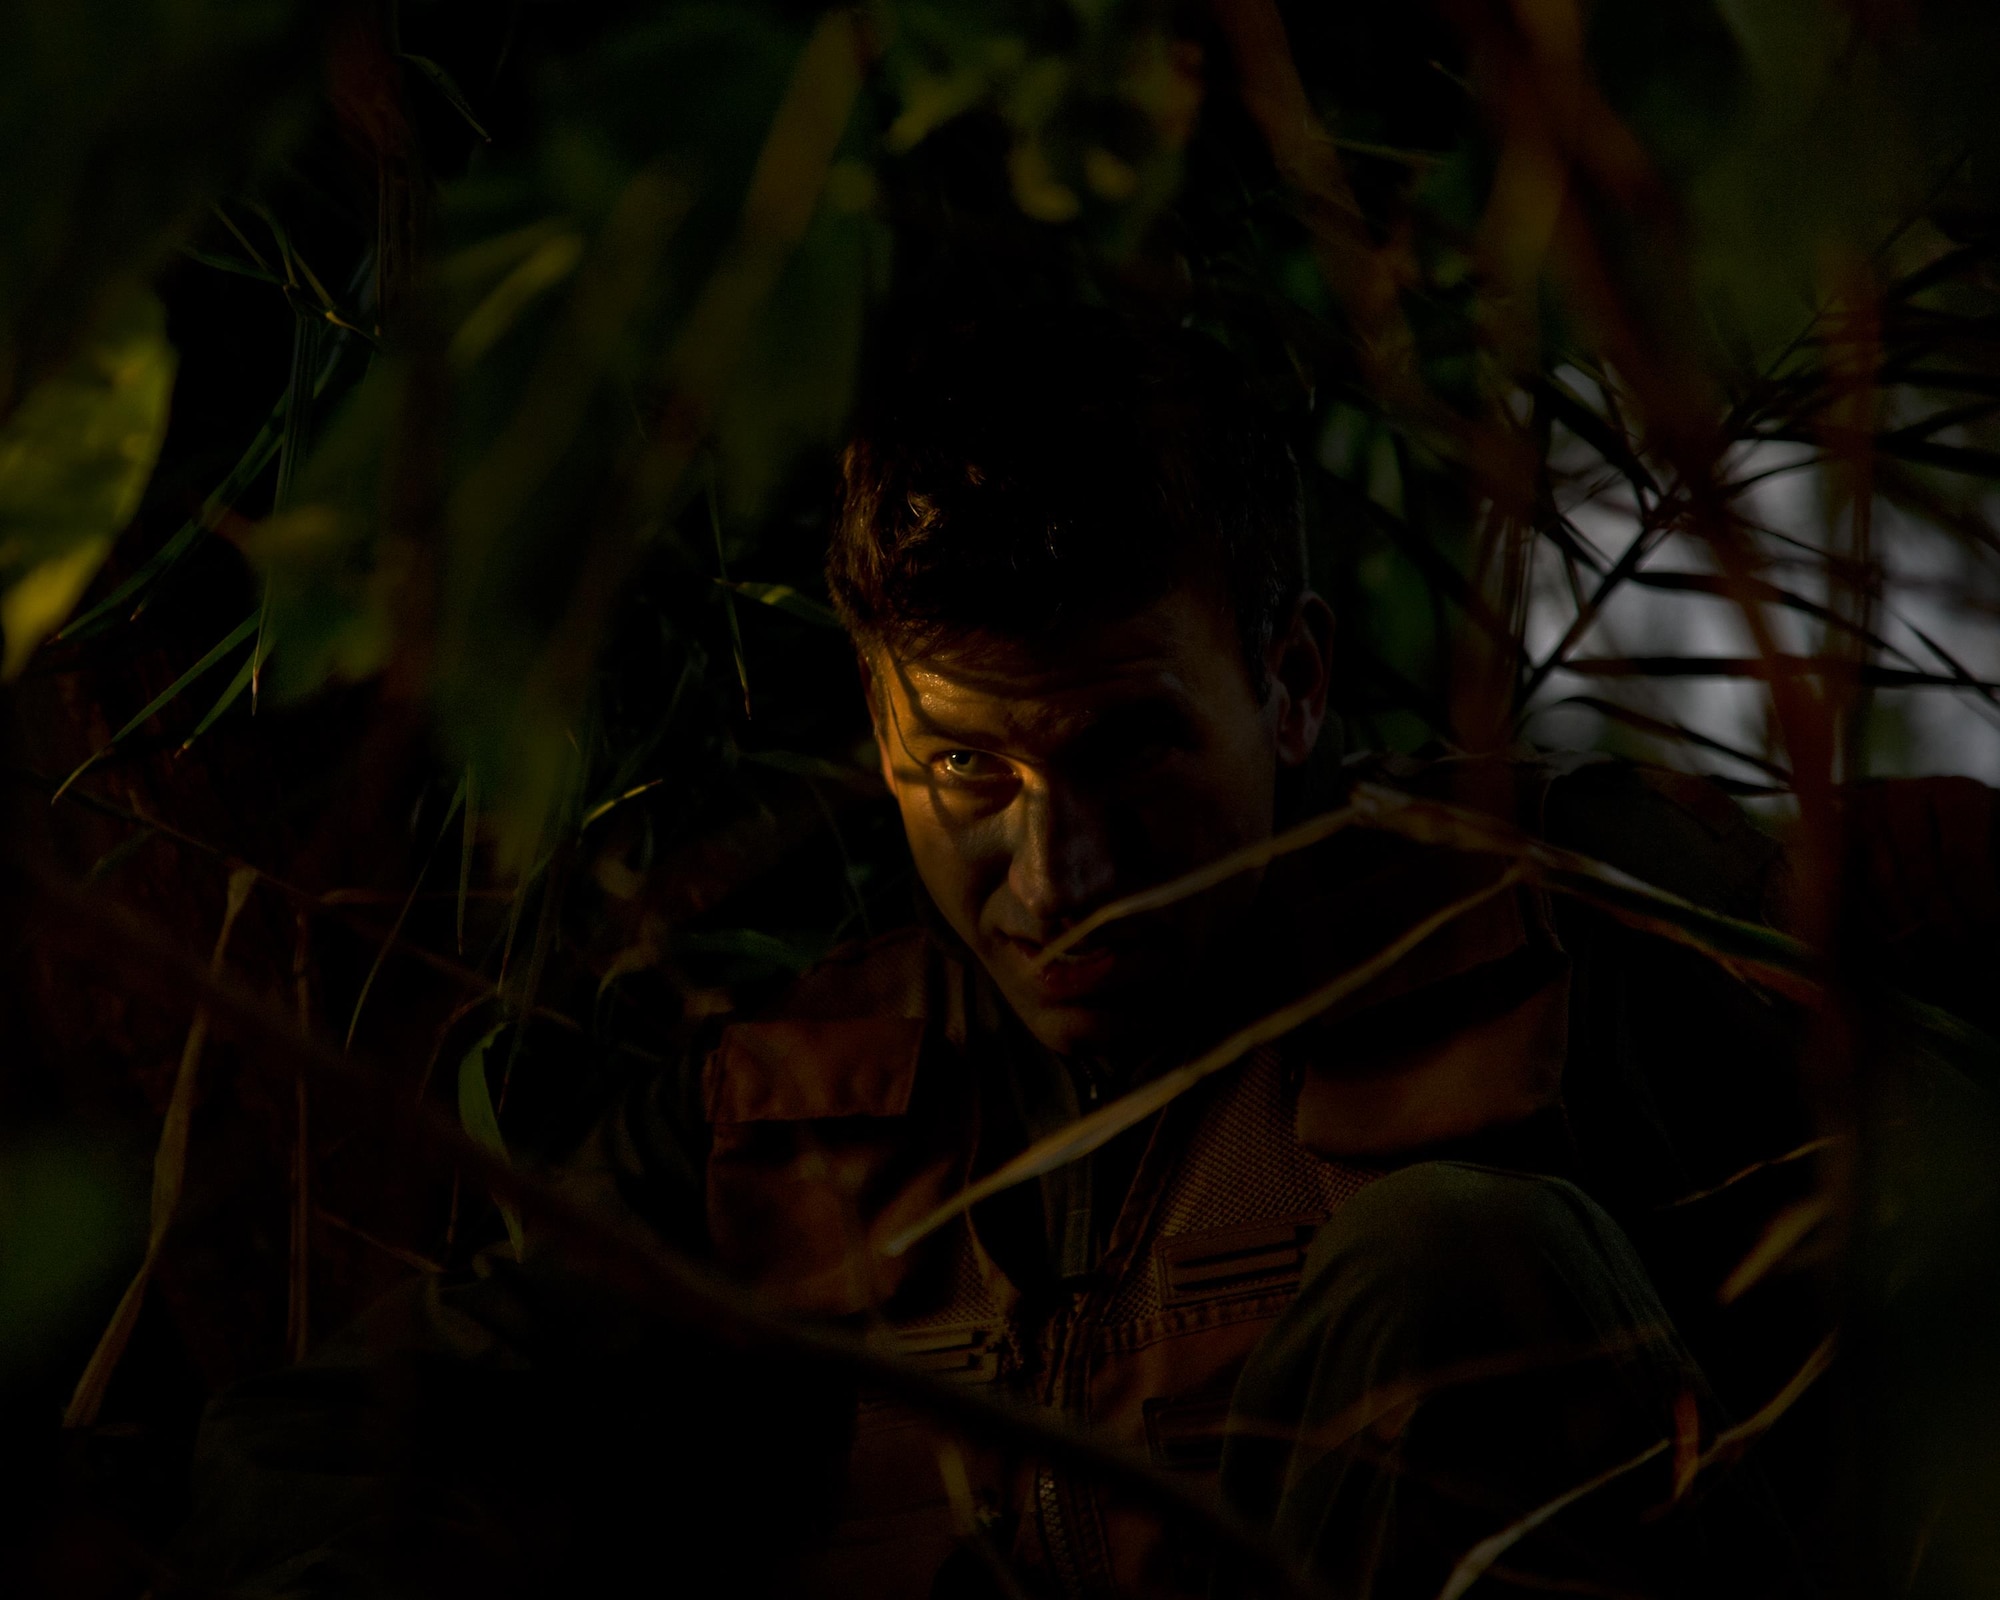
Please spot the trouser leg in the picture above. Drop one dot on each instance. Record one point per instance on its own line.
(1468, 1346)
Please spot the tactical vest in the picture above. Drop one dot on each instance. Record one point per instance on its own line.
(1205, 1251)
(853, 1112)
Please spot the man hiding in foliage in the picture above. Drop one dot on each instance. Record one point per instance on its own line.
(1366, 1278)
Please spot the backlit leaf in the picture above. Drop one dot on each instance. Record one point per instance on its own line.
(74, 460)
(482, 1123)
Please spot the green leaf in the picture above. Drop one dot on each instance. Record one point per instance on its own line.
(74, 461)
(783, 597)
(402, 916)
(448, 87)
(236, 636)
(249, 466)
(482, 1123)
(226, 699)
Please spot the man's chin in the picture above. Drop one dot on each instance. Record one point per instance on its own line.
(1098, 1028)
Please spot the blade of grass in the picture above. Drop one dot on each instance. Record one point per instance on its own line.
(243, 239)
(402, 916)
(1627, 563)
(1707, 583)
(604, 807)
(227, 264)
(728, 596)
(445, 85)
(468, 844)
(1765, 667)
(1732, 1442)
(212, 513)
(620, 788)
(1569, 408)
(482, 1123)
(228, 698)
(236, 636)
(1781, 1236)
(306, 334)
(547, 265)
(1087, 1133)
(204, 522)
(548, 921)
(1798, 1153)
(1223, 868)
(1668, 730)
(1475, 1563)
(169, 1174)
(783, 597)
(1748, 949)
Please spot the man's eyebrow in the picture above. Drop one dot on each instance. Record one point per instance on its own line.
(923, 724)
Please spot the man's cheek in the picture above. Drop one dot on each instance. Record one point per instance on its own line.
(951, 869)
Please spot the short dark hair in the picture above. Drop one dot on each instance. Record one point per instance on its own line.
(1035, 471)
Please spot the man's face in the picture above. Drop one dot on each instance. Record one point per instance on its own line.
(1038, 782)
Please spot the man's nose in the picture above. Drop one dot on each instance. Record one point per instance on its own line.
(1062, 866)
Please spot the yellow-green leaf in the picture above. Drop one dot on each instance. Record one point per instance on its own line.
(74, 460)
(482, 1123)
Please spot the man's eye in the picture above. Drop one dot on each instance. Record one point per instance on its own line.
(969, 766)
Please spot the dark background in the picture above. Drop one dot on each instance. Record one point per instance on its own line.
(1643, 362)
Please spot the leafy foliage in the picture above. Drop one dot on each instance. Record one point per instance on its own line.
(1642, 361)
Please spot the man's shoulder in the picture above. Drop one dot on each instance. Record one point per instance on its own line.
(842, 1040)
(1677, 830)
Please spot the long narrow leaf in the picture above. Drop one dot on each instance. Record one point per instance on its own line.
(166, 697)
(249, 467)
(1221, 870)
(783, 597)
(1709, 583)
(1476, 1562)
(402, 916)
(1673, 730)
(482, 1123)
(447, 86)
(169, 1176)
(1732, 1442)
(1781, 1236)
(225, 700)
(1875, 677)
(468, 845)
(1749, 949)
(728, 597)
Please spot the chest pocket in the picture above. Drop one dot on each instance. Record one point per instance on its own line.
(1251, 1258)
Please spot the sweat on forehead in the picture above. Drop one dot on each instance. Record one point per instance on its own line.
(1183, 638)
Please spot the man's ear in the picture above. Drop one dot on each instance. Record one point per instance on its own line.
(1300, 663)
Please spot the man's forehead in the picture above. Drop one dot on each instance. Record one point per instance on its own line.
(1166, 651)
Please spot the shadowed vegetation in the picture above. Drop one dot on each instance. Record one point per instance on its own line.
(418, 427)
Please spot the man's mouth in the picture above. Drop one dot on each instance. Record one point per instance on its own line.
(1076, 975)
